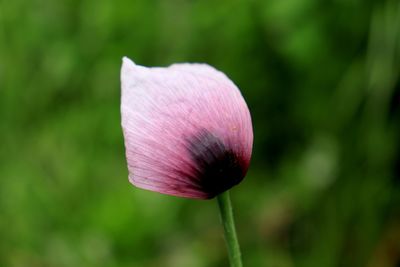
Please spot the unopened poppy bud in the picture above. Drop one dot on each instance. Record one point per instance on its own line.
(187, 129)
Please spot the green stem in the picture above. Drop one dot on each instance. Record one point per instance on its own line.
(225, 208)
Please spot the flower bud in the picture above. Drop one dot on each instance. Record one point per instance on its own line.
(187, 129)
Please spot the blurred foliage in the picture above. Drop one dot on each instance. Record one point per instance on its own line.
(321, 79)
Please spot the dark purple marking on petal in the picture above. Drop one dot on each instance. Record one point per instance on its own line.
(219, 168)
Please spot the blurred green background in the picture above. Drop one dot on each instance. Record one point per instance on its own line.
(321, 79)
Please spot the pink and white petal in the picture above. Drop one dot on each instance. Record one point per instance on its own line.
(163, 108)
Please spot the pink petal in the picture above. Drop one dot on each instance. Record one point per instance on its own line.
(187, 129)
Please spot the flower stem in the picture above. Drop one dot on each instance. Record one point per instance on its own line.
(225, 209)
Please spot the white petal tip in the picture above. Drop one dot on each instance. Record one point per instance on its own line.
(127, 70)
(127, 62)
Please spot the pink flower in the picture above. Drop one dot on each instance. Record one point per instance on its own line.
(187, 129)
